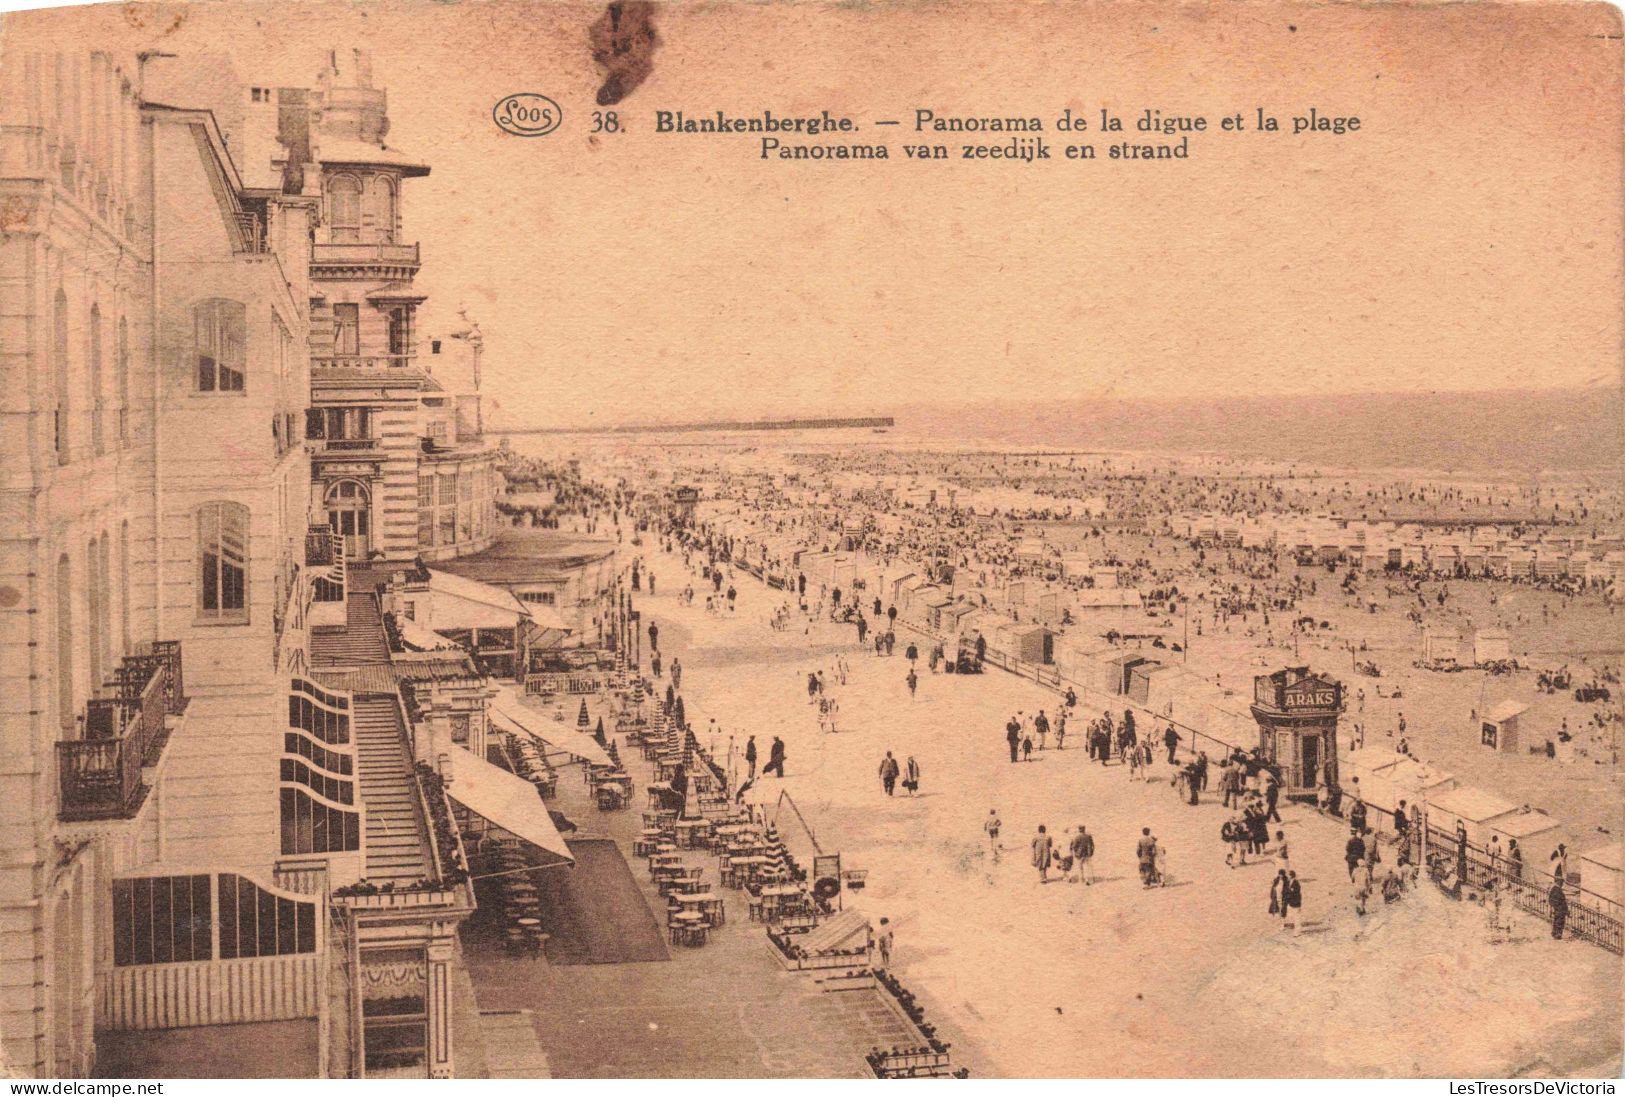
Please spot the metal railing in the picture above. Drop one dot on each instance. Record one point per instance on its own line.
(99, 775)
(1590, 917)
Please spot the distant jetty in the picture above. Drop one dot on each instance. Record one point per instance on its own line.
(716, 425)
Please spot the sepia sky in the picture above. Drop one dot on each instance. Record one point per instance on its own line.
(1469, 236)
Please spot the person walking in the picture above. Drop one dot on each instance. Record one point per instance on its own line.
(1043, 851)
(1278, 895)
(1083, 855)
(1171, 738)
(1145, 850)
(913, 681)
(750, 758)
(1041, 726)
(1013, 737)
(888, 773)
(1282, 855)
(1294, 903)
(775, 758)
(654, 637)
(990, 827)
(911, 775)
(1559, 903)
(1272, 794)
(677, 673)
(1027, 747)
(884, 943)
(1060, 731)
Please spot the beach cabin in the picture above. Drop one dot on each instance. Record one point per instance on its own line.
(1492, 645)
(1498, 728)
(1120, 671)
(1602, 875)
(1386, 777)
(1476, 810)
(1440, 646)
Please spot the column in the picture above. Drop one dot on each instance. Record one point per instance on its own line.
(441, 955)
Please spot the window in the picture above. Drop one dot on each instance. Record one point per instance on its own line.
(379, 215)
(539, 597)
(400, 334)
(162, 920)
(59, 353)
(338, 424)
(123, 380)
(346, 329)
(64, 645)
(222, 533)
(257, 922)
(344, 209)
(411, 611)
(93, 356)
(311, 826)
(219, 339)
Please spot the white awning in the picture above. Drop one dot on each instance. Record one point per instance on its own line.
(422, 638)
(500, 797)
(458, 603)
(510, 710)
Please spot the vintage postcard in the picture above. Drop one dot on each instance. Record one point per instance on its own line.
(888, 539)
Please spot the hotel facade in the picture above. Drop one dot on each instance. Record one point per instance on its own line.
(220, 413)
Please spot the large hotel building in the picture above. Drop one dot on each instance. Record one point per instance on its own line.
(230, 442)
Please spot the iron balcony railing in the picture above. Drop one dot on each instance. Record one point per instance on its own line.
(100, 774)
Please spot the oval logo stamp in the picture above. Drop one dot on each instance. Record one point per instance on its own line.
(527, 114)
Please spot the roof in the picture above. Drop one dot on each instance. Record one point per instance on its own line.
(427, 666)
(529, 555)
(1472, 804)
(331, 150)
(460, 602)
(368, 678)
(1525, 823)
(1506, 710)
(1609, 856)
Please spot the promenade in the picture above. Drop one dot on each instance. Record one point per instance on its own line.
(1195, 978)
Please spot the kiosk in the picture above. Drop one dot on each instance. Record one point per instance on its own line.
(1297, 727)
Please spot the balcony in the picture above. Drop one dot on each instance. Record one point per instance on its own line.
(328, 258)
(362, 361)
(100, 774)
(350, 445)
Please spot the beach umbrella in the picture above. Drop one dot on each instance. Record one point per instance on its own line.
(583, 721)
(598, 732)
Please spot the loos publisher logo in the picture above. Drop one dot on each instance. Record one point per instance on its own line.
(527, 114)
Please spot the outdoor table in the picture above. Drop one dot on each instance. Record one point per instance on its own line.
(689, 928)
(687, 885)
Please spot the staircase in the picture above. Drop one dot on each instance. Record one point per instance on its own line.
(389, 795)
(360, 641)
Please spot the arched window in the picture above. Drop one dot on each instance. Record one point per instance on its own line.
(222, 538)
(59, 355)
(95, 610)
(123, 380)
(220, 337)
(378, 216)
(124, 586)
(349, 513)
(93, 356)
(64, 645)
(344, 209)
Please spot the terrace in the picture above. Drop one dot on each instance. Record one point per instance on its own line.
(100, 773)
